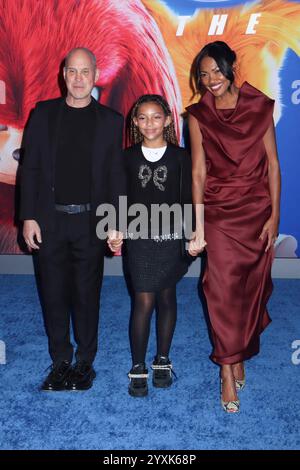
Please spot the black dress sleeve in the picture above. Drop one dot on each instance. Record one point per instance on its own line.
(186, 192)
(117, 181)
(186, 186)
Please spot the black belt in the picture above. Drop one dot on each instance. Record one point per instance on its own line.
(73, 208)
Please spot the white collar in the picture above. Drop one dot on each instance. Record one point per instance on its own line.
(153, 154)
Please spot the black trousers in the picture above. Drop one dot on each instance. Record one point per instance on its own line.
(70, 272)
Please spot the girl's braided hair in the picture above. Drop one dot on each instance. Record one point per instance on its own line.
(169, 131)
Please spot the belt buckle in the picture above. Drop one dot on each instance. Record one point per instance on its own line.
(72, 209)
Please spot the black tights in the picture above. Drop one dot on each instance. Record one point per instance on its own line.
(144, 303)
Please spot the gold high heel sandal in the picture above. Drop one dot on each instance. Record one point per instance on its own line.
(240, 383)
(230, 406)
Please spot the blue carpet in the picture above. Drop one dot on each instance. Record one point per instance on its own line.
(187, 416)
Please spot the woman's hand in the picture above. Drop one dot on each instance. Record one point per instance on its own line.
(270, 230)
(115, 240)
(197, 244)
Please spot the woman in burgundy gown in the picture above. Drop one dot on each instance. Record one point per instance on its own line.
(236, 176)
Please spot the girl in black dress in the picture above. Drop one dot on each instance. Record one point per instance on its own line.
(158, 172)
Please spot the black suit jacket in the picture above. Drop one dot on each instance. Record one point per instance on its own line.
(37, 171)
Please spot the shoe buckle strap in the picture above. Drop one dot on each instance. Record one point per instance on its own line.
(167, 367)
(138, 376)
(157, 366)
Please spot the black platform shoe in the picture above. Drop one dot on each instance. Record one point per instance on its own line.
(81, 377)
(57, 379)
(162, 372)
(138, 386)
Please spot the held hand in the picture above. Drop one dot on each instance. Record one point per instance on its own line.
(270, 230)
(197, 244)
(31, 233)
(115, 240)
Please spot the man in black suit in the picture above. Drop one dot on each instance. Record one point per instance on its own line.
(72, 164)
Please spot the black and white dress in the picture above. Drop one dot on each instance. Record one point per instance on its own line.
(157, 262)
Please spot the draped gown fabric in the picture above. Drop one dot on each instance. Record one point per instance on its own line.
(237, 281)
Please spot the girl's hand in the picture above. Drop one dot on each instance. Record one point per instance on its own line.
(270, 230)
(197, 244)
(115, 240)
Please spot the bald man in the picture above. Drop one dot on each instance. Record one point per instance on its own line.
(72, 164)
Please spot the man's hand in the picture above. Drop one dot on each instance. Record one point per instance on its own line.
(31, 233)
(115, 240)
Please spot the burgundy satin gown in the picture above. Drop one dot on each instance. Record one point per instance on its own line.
(237, 281)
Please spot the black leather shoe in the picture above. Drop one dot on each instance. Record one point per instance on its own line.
(162, 372)
(138, 386)
(81, 377)
(56, 380)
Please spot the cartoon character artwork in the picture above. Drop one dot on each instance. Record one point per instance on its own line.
(34, 39)
(260, 32)
(141, 47)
